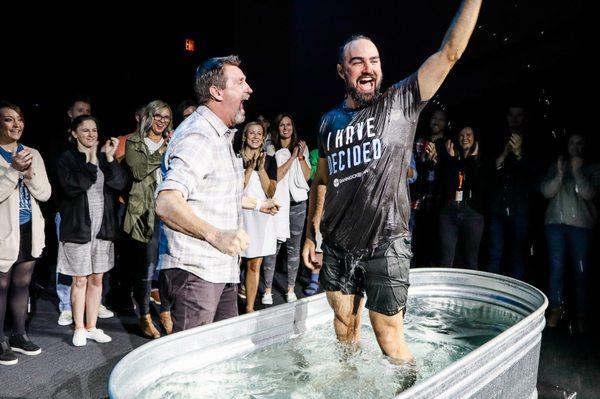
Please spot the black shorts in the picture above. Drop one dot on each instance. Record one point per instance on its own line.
(380, 273)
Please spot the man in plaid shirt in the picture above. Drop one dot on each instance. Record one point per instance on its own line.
(200, 201)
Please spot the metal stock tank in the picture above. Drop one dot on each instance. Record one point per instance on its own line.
(504, 367)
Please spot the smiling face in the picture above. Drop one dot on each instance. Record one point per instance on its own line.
(361, 71)
(86, 134)
(11, 126)
(254, 136)
(466, 139)
(234, 94)
(285, 128)
(160, 121)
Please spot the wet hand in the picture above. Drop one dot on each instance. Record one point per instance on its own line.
(312, 260)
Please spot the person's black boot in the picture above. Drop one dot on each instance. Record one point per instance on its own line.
(22, 344)
(7, 356)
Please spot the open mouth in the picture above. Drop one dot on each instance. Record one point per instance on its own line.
(366, 84)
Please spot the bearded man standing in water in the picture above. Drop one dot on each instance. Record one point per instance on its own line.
(359, 200)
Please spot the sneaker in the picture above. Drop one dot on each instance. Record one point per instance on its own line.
(291, 297)
(97, 335)
(104, 312)
(7, 356)
(22, 344)
(242, 291)
(267, 299)
(312, 288)
(65, 318)
(79, 337)
(155, 296)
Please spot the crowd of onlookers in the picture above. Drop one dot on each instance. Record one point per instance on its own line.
(475, 204)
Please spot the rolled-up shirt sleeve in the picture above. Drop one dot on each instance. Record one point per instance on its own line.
(186, 164)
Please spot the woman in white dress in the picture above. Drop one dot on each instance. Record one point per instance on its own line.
(293, 172)
(260, 180)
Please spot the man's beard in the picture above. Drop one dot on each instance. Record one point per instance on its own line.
(240, 117)
(363, 100)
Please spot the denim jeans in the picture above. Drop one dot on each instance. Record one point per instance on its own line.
(63, 282)
(460, 223)
(508, 238)
(573, 241)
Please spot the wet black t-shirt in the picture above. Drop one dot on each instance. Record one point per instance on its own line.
(368, 151)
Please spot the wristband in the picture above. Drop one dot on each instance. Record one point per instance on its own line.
(258, 205)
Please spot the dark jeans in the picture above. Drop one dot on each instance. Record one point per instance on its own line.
(194, 301)
(460, 223)
(511, 230)
(574, 241)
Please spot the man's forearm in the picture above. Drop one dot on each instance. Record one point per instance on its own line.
(175, 212)
(316, 203)
(461, 28)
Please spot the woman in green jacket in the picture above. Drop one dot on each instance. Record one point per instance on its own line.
(143, 154)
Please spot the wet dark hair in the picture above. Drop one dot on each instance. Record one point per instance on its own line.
(210, 73)
(277, 136)
(79, 121)
(342, 48)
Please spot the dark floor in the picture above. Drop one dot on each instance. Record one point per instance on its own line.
(569, 363)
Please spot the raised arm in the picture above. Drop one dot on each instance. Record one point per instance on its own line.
(432, 73)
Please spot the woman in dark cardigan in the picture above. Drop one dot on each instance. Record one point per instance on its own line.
(462, 181)
(89, 182)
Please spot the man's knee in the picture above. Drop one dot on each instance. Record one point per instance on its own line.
(346, 308)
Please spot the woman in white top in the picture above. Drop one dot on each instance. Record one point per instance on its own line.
(293, 172)
(260, 180)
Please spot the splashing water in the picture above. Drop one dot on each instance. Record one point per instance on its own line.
(315, 365)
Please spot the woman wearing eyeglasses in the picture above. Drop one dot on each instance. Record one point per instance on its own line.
(143, 154)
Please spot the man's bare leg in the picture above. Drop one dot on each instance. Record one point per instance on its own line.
(389, 331)
(347, 310)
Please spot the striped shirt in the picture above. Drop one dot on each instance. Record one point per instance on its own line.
(200, 163)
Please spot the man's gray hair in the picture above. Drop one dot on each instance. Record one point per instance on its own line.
(210, 73)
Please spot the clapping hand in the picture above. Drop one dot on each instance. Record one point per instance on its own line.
(261, 161)
(450, 148)
(431, 151)
(109, 148)
(22, 162)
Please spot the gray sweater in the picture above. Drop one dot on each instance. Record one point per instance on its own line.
(570, 199)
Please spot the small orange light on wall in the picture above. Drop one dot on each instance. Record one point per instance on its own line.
(190, 45)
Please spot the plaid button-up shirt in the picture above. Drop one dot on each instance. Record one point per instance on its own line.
(201, 164)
